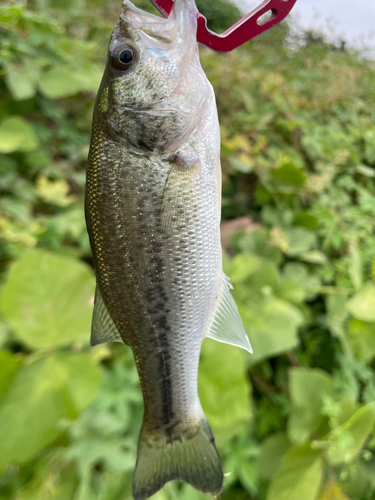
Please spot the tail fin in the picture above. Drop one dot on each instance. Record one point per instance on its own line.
(189, 456)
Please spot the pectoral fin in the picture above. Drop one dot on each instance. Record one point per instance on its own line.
(227, 325)
(180, 203)
(103, 328)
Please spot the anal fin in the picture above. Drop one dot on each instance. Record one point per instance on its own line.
(227, 325)
(103, 328)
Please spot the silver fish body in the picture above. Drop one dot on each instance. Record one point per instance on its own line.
(153, 215)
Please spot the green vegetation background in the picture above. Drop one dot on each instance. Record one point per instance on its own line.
(294, 421)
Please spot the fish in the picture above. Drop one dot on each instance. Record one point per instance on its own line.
(153, 209)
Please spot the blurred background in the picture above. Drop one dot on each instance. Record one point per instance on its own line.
(293, 421)
(339, 20)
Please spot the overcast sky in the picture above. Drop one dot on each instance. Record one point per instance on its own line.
(351, 20)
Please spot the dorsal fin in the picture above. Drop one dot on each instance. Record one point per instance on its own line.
(226, 325)
(103, 328)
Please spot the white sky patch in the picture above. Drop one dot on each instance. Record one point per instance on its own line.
(349, 20)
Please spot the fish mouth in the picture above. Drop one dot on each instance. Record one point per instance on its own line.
(157, 27)
(180, 26)
(142, 17)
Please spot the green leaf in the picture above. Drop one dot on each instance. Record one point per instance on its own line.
(300, 241)
(91, 448)
(291, 291)
(224, 387)
(59, 82)
(289, 174)
(243, 266)
(265, 278)
(68, 5)
(369, 145)
(361, 336)
(65, 81)
(355, 266)
(358, 485)
(298, 477)
(271, 327)
(54, 192)
(271, 454)
(187, 493)
(257, 243)
(362, 304)
(82, 378)
(240, 165)
(9, 363)
(306, 220)
(248, 475)
(50, 483)
(297, 272)
(48, 298)
(336, 313)
(342, 410)
(21, 84)
(365, 170)
(347, 440)
(16, 134)
(313, 256)
(307, 389)
(42, 394)
(89, 76)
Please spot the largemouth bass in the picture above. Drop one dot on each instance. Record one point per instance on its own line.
(153, 201)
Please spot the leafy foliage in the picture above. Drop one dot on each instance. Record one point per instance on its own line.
(293, 421)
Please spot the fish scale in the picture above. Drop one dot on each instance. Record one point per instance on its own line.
(153, 216)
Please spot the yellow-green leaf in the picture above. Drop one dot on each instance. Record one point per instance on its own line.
(223, 386)
(59, 82)
(362, 305)
(54, 192)
(271, 327)
(9, 363)
(347, 440)
(48, 299)
(41, 395)
(289, 174)
(361, 336)
(17, 134)
(332, 491)
(308, 387)
(298, 477)
(355, 266)
(272, 451)
(21, 84)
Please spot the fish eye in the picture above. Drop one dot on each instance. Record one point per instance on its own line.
(122, 57)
